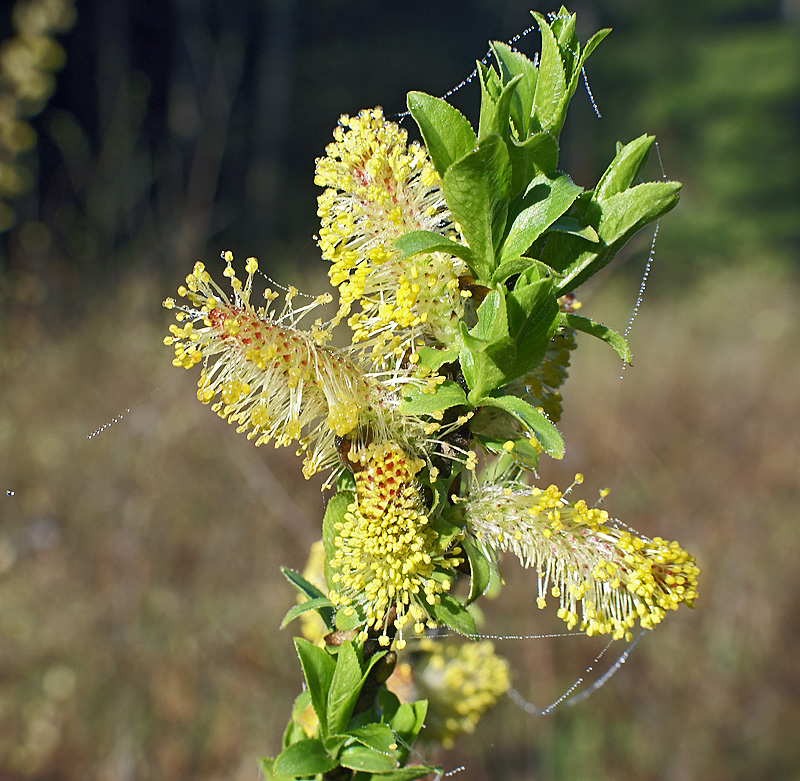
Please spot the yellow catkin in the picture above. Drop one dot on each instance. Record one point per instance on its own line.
(386, 550)
(605, 576)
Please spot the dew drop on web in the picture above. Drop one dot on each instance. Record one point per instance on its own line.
(108, 425)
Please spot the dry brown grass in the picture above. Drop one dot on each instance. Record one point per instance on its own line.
(140, 594)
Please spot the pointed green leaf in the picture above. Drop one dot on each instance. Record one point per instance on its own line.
(545, 200)
(571, 226)
(416, 242)
(476, 188)
(486, 346)
(551, 86)
(301, 584)
(446, 131)
(312, 592)
(590, 46)
(416, 401)
(536, 155)
(480, 568)
(491, 88)
(624, 167)
(495, 109)
(626, 212)
(563, 27)
(616, 220)
(450, 612)
(375, 736)
(345, 688)
(367, 760)
(406, 720)
(433, 359)
(513, 63)
(521, 265)
(334, 513)
(347, 619)
(536, 422)
(559, 70)
(318, 669)
(294, 731)
(608, 335)
(532, 309)
(306, 758)
(319, 604)
(411, 772)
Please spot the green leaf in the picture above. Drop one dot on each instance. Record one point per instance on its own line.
(406, 721)
(450, 612)
(318, 603)
(513, 63)
(495, 109)
(410, 773)
(563, 27)
(559, 70)
(486, 347)
(626, 212)
(335, 743)
(367, 760)
(375, 736)
(266, 765)
(314, 595)
(301, 584)
(416, 401)
(416, 242)
(294, 731)
(346, 620)
(306, 758)
(318, 669)
(573, 227)
(345, 688)
(532, 309)
(608, 335)
(446, 131)
(536, 422)
(538, 154)
(624, 167)
(590, 46)
(551, 86)
(476, 188)
(334, 513)
(480, 568)
(508, 268)
(545, 200)
(616, 219)
(433, 359)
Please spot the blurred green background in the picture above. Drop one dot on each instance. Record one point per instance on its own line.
(140, 595)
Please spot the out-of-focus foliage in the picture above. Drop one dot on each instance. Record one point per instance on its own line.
(138, 570)
(27, 62)
(720, 85)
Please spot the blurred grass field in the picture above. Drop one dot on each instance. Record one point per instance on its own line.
(140, 592)
(139, 577)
